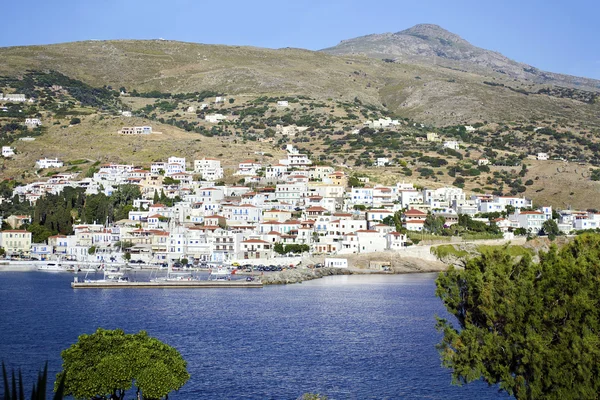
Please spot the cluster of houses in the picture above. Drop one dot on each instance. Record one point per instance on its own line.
(291, 202)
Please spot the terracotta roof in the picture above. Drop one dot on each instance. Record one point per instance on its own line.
(412, 211)
(255, 241)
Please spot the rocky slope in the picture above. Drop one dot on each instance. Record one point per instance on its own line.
(432, 45)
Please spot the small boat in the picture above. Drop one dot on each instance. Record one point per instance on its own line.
(113, 275)
(52, 267)
(219, 274)
(174, 276)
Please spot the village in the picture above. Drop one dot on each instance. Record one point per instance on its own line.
(278, 210)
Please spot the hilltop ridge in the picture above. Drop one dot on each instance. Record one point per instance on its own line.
(429, 44)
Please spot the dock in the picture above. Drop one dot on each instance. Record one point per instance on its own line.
(167, 285)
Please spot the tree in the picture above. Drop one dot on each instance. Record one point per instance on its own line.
(278, 248)
(433, 223)
(105, 364)
(75, 121)
(550, 228)
(532, 328)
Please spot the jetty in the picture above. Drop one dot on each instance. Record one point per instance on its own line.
(167, 285)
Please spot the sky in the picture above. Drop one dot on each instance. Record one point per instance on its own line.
(553, 35)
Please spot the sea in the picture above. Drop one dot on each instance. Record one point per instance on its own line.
(345, 337)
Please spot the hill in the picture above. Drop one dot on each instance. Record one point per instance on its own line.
(429, 44)
(77, 85)
(431, 94)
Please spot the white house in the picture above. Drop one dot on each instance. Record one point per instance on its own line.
(209, 168)
(220, 99)
(136, 130)
(382, 161)
(49, 163)
(382, 123)
(276, 171)
(530, 220)
(33, 122)
(336, 263)
(16, 97)
(7, 151)
(451, 144)
(542, 156)
(248, 167)
(243, 212)
(483, 161)
(215, 118)
(396, 241)
(177, 160)
(414, 220)
(283, 103)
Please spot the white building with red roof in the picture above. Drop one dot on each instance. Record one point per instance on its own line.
(254, 248)
(414, 220)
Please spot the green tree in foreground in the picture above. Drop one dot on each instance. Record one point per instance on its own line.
(532, 328)
(105, 364)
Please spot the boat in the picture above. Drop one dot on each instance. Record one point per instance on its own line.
(110, 275)
(52, 267)
(174, 276)
(219, 274)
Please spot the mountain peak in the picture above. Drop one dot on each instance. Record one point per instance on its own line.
(431, 31)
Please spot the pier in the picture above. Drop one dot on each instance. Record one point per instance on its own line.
(167, 285)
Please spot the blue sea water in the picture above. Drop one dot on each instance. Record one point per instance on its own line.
(348, 337)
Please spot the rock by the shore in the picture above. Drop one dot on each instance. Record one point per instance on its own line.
(399, 266)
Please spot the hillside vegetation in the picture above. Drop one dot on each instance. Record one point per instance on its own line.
(76, 87)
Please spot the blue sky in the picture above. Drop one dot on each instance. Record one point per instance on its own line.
(553, 35)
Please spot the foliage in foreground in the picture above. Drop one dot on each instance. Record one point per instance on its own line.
(532, 328)
(106, 363)
(38, 392)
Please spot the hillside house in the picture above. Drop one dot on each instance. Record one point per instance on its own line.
(33, 122)
(382, 161)
(215, 118)
(248, 167)
(414, 220)
(542, 156)
(15, 97)
(7, 151)
(135, 130)
(209, 168)
(451, 144)
(48, 163)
